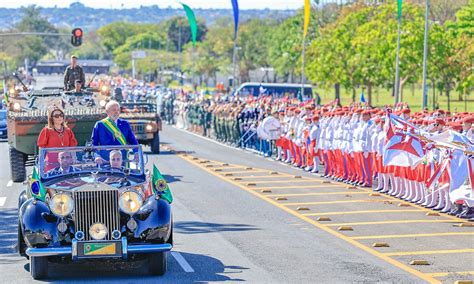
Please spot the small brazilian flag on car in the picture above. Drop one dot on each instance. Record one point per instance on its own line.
(36, 188)
(160, 186)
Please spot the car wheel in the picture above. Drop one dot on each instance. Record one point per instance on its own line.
(157, 263)
(21, 243)
(155, 144)
(39, 267)
(17, 165)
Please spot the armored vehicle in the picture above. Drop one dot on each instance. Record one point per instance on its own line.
(27, 115)
(145, 122)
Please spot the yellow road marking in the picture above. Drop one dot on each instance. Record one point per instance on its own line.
(244, 172)
(318, 194)
(361, 212)
(286, 181)
(297, 186)
(442, 274)
(412, 205)
(413, 235)
(324, 228)
(393, 222)
(263, 177)
(447, 251)
(332, 202)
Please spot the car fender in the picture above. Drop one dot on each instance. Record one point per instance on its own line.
(154, 220)
(38, 224)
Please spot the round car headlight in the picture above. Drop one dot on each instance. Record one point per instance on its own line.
(149, 127)
(98, 231)
(102, 103)
(130, 202)
(61, 204)
(104, 88)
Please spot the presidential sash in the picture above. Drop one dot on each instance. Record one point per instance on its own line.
(114, 130)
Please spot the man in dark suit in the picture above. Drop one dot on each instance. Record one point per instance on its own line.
(66, 161)
(112, 130)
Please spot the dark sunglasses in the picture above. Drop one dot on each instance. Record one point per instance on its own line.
(58, 115)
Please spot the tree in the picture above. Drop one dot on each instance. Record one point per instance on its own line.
(179, 33)
(116, 34)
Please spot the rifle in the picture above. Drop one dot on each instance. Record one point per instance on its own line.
(25, 88)
(92, 79)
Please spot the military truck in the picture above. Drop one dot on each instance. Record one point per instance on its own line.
(145, 122)
(27, 115)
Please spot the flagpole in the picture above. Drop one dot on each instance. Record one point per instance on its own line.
(234, 59)
(425, 56)
(302, 68)
(397, 68)
(194, 64)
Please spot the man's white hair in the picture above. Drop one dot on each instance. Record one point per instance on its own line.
(110, 104)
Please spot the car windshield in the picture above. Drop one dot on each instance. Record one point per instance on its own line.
(137, 107)
(55, 162)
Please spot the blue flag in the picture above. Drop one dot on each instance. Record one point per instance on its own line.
(362, 98)
(235, 6)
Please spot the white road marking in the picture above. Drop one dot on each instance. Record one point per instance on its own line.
(2, 201)
(182, 262)
(10, 183)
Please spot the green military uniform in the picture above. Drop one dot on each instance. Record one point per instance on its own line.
(73, 74)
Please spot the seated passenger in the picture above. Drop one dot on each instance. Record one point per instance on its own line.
(116, 159)
(65, 165)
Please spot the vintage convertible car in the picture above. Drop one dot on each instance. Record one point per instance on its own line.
(76, 210)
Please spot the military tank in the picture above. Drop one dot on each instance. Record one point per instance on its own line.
(27, 116)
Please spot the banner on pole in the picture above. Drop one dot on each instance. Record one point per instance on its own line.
(307, 11)
(235, 6)
(192, 22)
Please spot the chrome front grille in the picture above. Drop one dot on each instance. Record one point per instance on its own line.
(96, 206)
(138, 128)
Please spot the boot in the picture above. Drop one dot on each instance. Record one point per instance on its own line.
(434, 199)
(441, 202)
(278, 157)
(447, 208)
(288, 157)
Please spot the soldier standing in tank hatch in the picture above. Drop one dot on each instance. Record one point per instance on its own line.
(73, 72)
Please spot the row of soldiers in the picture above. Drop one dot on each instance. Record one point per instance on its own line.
(346, 144)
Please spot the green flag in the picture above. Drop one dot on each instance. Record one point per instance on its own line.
(399, 2)
(192, 22)
(5, 98)
(160, 186)
(36, 188)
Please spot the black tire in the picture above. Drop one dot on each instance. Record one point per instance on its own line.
(158, 263)
(155, 144)
(17, 165)
(21, 243)
(39, 267)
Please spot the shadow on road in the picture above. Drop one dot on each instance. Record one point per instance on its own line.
(205, 268)
(171, 179)
(202, 227)
(8, 236)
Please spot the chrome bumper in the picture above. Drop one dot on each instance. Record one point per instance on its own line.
(126, 249)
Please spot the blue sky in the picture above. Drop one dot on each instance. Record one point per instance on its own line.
(244, 4)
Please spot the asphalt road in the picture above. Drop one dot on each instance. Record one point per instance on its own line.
(241, 217)
(227, 231)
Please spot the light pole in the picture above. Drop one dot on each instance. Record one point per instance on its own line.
(425, 56)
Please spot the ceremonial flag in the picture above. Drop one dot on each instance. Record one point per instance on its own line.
(235, 6)
(362, 98)
(307, 11)
(458, 171)
(399, 5)
(402, 148)
(160, 186)
(192, 22)
(36, 188)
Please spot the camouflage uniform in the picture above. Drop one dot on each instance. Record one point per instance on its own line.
(73, 74)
